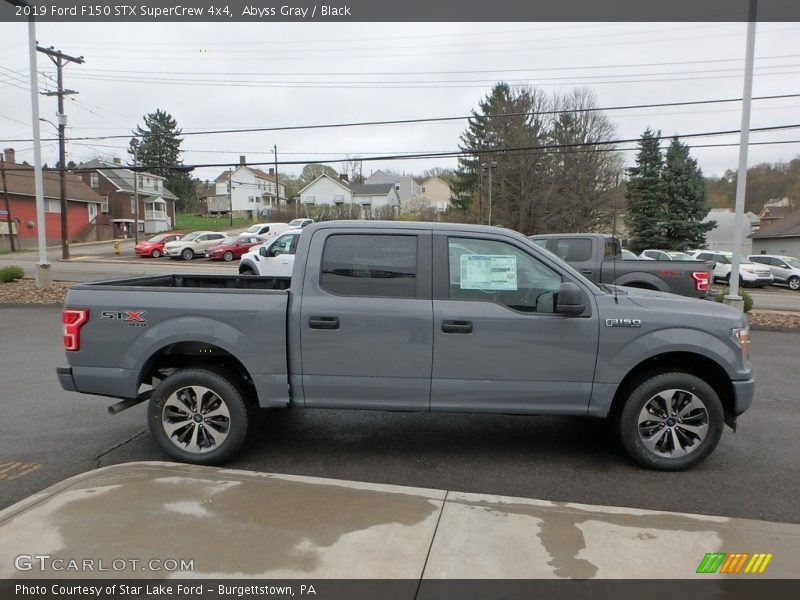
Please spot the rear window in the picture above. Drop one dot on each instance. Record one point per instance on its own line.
(370, 265)
(574, 250)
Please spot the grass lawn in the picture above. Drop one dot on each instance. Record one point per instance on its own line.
(192, 222)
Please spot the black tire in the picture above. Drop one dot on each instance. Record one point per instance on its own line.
(793, 283)
(187, 254)
(246, 271)
(156, 254)
(227, 394)
(228, 256)
(696, 449)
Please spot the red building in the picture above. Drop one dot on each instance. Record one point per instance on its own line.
(19, 192)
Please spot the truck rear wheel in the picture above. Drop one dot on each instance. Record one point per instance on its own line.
(671, 421)
(198, 416)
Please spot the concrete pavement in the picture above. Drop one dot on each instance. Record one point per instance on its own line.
(259, 525)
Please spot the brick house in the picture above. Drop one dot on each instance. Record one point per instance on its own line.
(83, 205)
(115, 183)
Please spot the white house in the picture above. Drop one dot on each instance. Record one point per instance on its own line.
(246, 190)
(369, 199)
(406, 186)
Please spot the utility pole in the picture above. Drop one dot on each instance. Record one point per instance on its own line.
(135, 146)
(59, 60)
(8, 204)
(277, 189)
(490, 166)
(230, 194)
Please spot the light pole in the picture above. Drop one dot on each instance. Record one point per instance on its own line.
(489, 167)
(44, 277)
(733, 298)
(135, 147)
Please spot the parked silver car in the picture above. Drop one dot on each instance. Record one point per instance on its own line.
(785, 269)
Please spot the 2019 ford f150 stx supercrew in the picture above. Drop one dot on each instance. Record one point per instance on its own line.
(410, 316)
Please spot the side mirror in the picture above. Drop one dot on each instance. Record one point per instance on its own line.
(571, 301)
(262, 251)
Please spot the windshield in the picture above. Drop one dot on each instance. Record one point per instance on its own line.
(190, 236)
(228, 240)
(156, 239)
(296, 222)
(792, 262)
(254, 229)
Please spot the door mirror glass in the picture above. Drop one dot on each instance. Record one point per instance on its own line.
(571, 300)
(262, 251)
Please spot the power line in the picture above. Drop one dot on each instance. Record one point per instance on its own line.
(608, 144)
(430, 119)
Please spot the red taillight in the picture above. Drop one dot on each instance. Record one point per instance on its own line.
(73, 319)
(701, 281)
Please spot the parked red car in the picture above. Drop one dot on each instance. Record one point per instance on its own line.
(232, 247)
(155, 245)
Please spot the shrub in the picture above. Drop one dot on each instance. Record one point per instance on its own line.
(748, 299)
(11, 273)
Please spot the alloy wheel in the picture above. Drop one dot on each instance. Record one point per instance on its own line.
(673, 423)
(196, 419)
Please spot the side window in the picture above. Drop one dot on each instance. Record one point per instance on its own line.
(370, 265)
(282, 246)
(574, 249)
(499, 272)
(201, 238)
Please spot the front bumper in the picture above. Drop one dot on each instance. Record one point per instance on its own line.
(173, 251)
(743, 393)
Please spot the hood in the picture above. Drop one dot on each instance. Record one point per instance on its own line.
(662, 301)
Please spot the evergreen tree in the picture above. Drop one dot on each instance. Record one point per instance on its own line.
(159, 150)
(645, 195)
(685, 200)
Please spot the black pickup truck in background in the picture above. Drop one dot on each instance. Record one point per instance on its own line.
(599, 257)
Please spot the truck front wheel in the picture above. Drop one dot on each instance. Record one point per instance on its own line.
(671, 421)
(198, 416)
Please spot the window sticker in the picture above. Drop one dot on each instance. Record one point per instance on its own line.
(488, 272)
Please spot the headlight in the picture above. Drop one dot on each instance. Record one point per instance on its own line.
(742, 337)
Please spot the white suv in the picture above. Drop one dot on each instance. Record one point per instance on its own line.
(785, 269)
(749, 273)
(275, 258)
(193, 244)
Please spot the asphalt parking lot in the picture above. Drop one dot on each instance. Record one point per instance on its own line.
(49, 434)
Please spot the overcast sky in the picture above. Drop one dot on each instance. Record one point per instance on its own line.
(242, 75)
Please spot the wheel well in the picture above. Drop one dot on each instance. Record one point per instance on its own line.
(193, 354)
(695, 364)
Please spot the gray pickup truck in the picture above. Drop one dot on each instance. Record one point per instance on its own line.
(415, 317)
(598, 257)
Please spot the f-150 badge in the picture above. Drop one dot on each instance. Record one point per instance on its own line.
(623, 322)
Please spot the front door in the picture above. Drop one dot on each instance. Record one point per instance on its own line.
(499, 345)
(92, 212)
(278, 260)
(366, 320)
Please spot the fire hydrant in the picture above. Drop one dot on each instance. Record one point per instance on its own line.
(116, 248)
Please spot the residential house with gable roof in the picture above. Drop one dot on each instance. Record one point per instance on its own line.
(246, 190)
(369, 199)
(405, 185)
(18, 190)
(115, 183)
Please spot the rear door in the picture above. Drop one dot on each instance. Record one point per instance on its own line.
(366, 319)
(499, 346)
